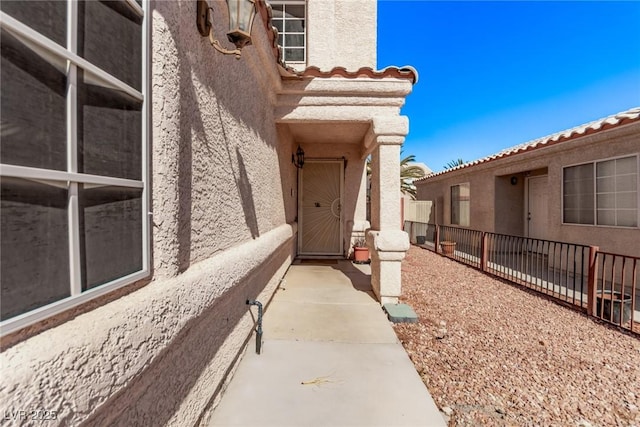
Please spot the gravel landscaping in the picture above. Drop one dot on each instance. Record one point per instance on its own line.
(493, 353)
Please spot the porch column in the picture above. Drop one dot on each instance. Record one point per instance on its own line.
(387, 242)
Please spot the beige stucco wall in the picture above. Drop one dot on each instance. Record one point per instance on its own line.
(495, 204)
(223, 232)
(341, 33)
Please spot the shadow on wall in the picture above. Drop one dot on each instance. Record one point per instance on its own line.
(161, 390)
(246, 196)
(221, 83)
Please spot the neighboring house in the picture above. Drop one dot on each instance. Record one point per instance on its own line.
(148, 191)
(579, 186)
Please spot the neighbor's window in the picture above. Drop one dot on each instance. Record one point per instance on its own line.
(460, 205)
(73, 201)
(602, 193)
(289, 18)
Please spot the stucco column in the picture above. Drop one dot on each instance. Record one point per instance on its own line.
(387, 242)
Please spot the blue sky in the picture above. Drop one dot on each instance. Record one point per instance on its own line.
(496, 74)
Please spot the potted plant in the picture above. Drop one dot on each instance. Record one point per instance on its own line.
(448, 245)
(360, 252)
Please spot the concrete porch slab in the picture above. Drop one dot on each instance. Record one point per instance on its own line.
(355, 322)
(330, 358)
(327, 384)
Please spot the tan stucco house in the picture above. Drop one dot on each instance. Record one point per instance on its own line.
(150, 186)
(579, 186)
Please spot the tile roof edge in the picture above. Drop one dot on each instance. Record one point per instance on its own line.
(606, 123)
(266, 12)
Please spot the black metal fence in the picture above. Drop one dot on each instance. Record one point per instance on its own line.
(603, 284)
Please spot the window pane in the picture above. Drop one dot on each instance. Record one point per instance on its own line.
(296, 10)
(627, 218)
(278, 24)
(607, 168)
(109, 133)
(606, 217)
(604, 185)
(32, 108)
(578, 194)
(112, 231)
(296, 55)
(110, 36)
(280, 39)
(626, 183)
(571, 216)
(627, 165)
(627, 200)
(294, 40)
(35, 248)
(46, 17)
(606, 201)
(294, 26)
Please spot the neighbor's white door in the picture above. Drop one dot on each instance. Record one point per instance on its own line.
(537, 206)
(320, 207)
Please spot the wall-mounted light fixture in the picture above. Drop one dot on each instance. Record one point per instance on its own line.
(241, 15)
(298, 158)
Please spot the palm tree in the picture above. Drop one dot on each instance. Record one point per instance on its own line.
(408, 173)
(453, 163)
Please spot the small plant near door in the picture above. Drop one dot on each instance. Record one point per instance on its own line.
(360, 252)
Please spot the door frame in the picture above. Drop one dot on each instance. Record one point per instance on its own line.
(527, 209)
(301, 215)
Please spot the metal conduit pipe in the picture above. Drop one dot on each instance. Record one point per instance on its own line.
(259, 325)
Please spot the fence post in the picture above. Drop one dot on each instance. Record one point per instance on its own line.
(484, 252)
(591, 282)
(437, 238)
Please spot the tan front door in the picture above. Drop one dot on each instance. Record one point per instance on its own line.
(320, 208)
(537, 206)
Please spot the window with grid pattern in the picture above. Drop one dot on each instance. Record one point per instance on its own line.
(73, 200)
(602, 193)
(289, 18)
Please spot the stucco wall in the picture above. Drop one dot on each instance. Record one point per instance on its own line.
(341, 33)
(490, 200)
(222, 233)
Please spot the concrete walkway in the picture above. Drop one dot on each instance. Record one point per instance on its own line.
(330, 358)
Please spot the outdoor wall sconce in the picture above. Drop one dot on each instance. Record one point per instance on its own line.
(241, 15)
(298, 158)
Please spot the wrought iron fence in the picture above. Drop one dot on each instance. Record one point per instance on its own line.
(603, 284)
(461, 244)
(614, 290)
(558, 269)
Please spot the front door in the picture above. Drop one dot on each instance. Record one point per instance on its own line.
(320, 208)
(537, 207)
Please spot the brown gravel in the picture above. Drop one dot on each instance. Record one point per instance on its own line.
(492, 353)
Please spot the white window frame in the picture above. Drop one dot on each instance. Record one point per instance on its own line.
(284, 33)
(593, 164)
(71, 178)
(468, 224)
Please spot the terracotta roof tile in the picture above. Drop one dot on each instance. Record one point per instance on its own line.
(406, 72)
(623, 118)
